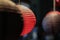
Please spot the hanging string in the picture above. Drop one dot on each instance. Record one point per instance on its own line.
(19, 1)
(54, 7)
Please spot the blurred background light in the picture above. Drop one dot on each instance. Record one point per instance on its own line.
(25, 4)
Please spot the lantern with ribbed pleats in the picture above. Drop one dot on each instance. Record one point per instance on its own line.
(51, 22)
(11, 21)
(15, 21)
(28, 18)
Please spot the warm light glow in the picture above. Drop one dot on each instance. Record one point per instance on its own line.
(57, 0)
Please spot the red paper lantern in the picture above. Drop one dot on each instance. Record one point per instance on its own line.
(57, 2)
(28, 18)
(51, 22)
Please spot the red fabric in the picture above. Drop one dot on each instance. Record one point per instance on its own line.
(29, 20)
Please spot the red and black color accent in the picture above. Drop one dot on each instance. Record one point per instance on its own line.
(15, 22)
(29, 19)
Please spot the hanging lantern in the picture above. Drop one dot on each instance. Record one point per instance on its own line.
(11, 21)
(14, 21)
(29, 19)
(51, 22)
(57, 2)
